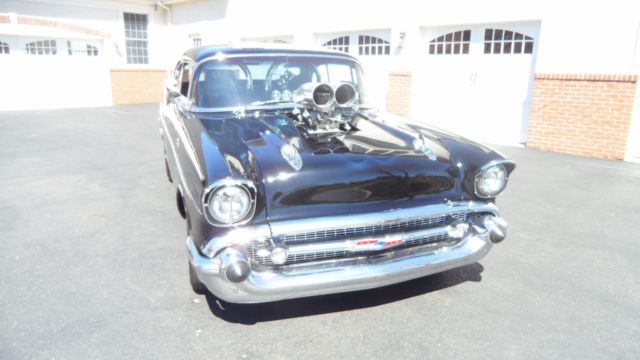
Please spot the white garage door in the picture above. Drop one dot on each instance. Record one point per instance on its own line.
(39, 73)
(373, 48)
(476, 80)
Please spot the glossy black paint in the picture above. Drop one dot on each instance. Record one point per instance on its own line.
(374, 167)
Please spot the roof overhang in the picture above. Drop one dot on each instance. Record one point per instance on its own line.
(154, 2)
(43, 32)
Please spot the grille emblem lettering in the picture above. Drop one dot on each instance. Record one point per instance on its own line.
(378, 243)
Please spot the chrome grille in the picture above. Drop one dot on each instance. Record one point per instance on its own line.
(435, 241)
(438, 240)
(361, 231)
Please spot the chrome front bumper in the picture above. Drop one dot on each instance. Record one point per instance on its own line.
(341, 275)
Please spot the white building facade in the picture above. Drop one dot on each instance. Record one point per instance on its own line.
(497, 71)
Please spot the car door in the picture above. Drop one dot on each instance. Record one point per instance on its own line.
(167, 113)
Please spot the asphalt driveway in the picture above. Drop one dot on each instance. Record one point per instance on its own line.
(93, 264)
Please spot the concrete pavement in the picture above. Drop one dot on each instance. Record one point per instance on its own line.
(93, 264)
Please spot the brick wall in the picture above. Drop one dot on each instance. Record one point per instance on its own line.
(399, 93)
(136, 86)
(586, 115)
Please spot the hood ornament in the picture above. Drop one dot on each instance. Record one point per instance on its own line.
(420, 145)
(291, 155)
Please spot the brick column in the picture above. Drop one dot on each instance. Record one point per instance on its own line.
(136, 86)
(399, 93)
(580, 114)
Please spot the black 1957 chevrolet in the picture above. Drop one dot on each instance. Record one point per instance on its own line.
(291, 186)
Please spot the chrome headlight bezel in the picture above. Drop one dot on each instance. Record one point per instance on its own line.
(490, 167)
(208, 196)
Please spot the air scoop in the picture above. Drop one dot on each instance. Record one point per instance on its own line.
(318, 95)
(345, 95)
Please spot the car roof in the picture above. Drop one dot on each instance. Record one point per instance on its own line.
(203, 52)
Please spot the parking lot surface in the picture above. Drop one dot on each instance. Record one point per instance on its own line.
(93, 263)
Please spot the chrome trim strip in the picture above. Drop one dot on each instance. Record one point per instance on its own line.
(221, 56)
(245, 235)
(188, 62)
(485, 167)
(401, 265)
(378, 218)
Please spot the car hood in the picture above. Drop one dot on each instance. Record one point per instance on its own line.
(388, 162)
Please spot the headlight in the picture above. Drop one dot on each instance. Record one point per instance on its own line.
(229, 204)
(491, 180)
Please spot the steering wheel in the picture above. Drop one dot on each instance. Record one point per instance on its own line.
(268, 81)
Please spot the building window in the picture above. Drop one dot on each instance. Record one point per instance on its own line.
(499, 41)
(135, 29)
(372, 45)
(80, 48)
(452, 43)
(4, 48)
(42, 47)
(340, 43)
(92, 50)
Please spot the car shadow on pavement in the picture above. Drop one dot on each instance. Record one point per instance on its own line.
(250, 314)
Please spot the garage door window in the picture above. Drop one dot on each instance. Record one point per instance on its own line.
(42, 47)
(82, 49)
(372, 45)
(92, 50)
(500, 41)
(135, 29)
(340, 43)
(4, 48)
(452, 43)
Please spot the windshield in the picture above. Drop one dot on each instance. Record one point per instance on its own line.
(246, 81)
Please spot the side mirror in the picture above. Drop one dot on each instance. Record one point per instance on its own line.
(172, 89)
(183, 103)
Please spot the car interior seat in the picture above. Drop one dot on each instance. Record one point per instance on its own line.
(218, 89)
